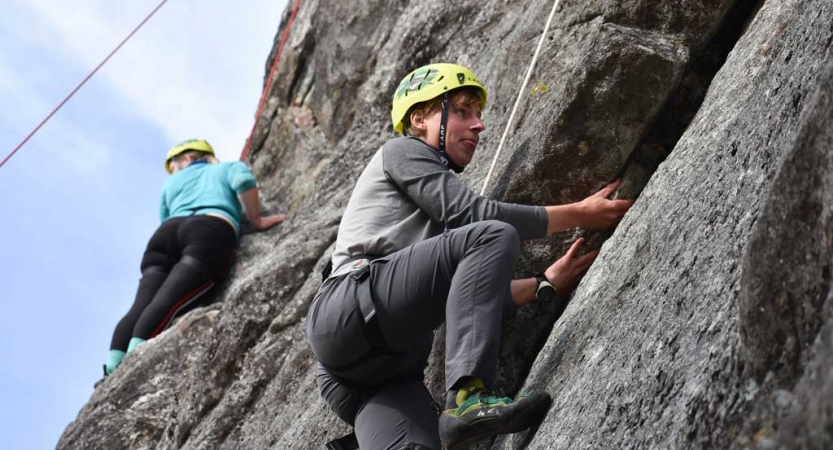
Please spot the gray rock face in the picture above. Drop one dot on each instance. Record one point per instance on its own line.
(649, 352)
(705, 322)
(786, 303)
(786, 273)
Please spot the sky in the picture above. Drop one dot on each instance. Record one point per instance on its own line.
(80, 200)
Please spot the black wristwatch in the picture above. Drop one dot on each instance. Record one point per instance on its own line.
(545, 290)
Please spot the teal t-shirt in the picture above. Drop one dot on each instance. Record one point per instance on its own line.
(203, 188)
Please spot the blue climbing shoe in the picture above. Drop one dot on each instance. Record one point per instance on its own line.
(480, 415)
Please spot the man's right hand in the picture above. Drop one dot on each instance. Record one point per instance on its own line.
(599, 212)
(267, 222)
(594, 212)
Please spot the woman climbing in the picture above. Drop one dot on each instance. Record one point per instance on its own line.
(200, 211)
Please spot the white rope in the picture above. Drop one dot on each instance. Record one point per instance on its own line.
(520, 96)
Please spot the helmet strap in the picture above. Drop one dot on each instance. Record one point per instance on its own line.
(443, 123)
(443, 128)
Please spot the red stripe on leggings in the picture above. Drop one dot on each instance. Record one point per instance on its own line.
(178, 304)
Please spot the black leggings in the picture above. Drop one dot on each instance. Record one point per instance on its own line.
(182, 261)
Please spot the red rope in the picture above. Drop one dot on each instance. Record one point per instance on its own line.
(82, 83)
(269, 81)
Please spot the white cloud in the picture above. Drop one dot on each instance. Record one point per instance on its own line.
(20, 93)
(195, 70)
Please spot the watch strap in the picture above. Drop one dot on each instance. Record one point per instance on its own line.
(541, 278)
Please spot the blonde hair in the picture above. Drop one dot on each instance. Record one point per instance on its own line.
(196, 155)
(466, 96)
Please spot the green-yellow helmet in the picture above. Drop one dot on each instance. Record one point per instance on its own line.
(191, 144)
(428, 82)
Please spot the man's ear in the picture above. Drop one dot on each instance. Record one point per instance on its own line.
(418, 122)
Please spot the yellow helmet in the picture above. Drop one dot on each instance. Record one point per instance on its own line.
(428, 82)
(191, 144)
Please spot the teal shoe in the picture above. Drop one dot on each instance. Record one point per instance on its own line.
(480, 415)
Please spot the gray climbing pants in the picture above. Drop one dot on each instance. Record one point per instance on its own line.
(460, 278)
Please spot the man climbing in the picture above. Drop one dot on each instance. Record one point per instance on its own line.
(200, 213)
(416, 249)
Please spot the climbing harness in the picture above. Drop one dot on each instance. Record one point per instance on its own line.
(520, 96)
(82, 83)
(269, 80)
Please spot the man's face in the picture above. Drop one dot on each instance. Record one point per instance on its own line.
(462, 135)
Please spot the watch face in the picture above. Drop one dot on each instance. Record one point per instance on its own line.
(545, 291)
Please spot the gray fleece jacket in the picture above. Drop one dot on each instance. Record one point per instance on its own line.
(406, 195)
